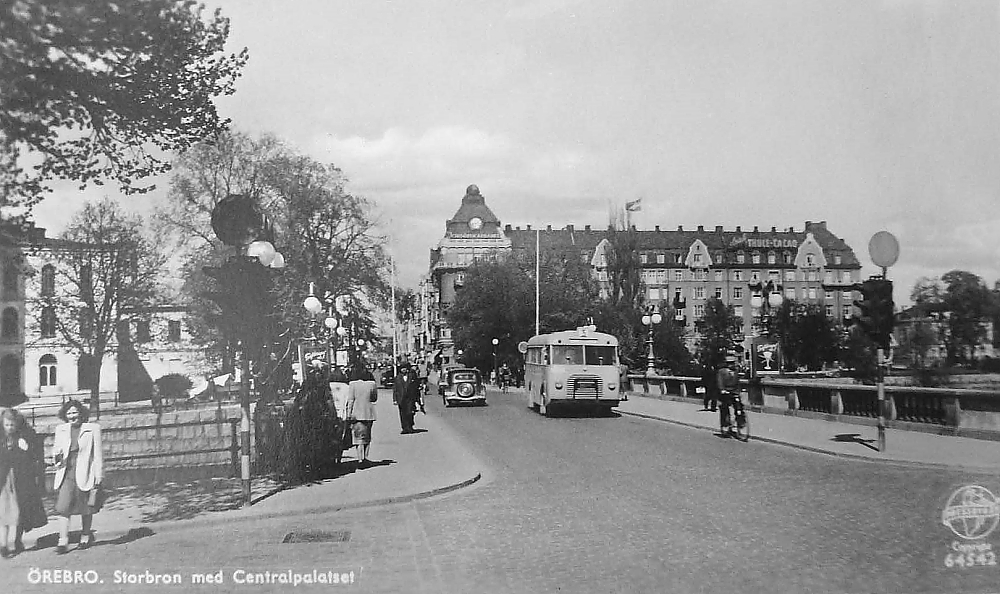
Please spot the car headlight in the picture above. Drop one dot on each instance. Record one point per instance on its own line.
(558, 385)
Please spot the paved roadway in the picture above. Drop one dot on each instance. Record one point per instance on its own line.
(612, 504)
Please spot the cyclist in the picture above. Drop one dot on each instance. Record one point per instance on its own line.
(729, 395)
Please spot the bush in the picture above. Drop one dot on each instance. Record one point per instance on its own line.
(990, 365)
(173, 386)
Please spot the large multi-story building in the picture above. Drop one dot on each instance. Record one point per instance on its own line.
(680, 269)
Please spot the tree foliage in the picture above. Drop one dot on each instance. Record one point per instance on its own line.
(98, 90)
(720, 331)
(624, 268)
(326, 234)
(808, 337)
(968, 303)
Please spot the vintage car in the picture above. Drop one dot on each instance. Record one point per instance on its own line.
(461, 384)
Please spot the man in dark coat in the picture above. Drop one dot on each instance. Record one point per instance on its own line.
(405, 395)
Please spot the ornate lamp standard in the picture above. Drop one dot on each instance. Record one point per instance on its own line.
(771, 299)
(651, 319)
(496, 372)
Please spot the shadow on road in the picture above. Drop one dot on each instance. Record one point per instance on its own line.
(855, 438)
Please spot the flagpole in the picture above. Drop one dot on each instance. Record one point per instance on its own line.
(537, 280)
(392, 283)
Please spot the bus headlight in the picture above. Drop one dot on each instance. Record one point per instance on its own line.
(558, 385)
(612, 386)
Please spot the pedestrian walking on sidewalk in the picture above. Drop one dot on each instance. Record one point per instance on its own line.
(20, 498)
(710, 383)
(363, 396)
(79, 458)
(405, 394)
(340, 391)
(310, 438)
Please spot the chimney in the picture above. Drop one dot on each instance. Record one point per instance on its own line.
(657, 228)
(774, 229)
(755, 229)
(548, 227)
(586, 228)
(507, 227)
(569, 228)
(680, 227)
(529, 227)
(808, 224)
(822, 225)
(718, 228)
(701, 227)
(737, 228)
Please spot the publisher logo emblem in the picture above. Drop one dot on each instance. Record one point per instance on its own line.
(971, 512)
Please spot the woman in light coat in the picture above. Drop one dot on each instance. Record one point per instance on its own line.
(79, 468)
(364, 393)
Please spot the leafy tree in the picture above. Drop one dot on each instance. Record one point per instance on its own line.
(719, 330)
(326, 234)
(107, 268)
(858, 354)
(624, 267)
(968, 303)
(808, 338)
(99, 90)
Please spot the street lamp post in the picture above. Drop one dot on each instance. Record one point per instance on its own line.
(495, 372)
(651, 319)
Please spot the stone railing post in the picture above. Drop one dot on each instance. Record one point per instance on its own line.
(836, 402)
(890, 407)
(684, 388)
(792, 396)
(952, 410)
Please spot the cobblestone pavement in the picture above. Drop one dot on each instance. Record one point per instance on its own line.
(582, 504)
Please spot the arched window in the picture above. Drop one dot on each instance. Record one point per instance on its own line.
(47, 323)
(8, 325)
(786, 257)
(10, 375)
(10, 274)
(47, 370)
(48, 280)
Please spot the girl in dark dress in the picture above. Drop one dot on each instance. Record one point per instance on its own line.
(21, 482)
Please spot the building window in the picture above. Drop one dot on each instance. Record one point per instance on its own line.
(812, 292)
(661, 258)
(813, 276)
(755, 258)
(678, 258)
(9, 324)
(701, 274)
(718, 292)
(810, 260)
(460, 279)
(741, 258)
(738, 311)
(773, 275)
(699, 292)
(10, 274)
(828, 277)
(719, 276)
(846, 311)
(699, 311)
(10, 375)
(654, 294)
(845, 295)
(829, 311)
(48, 280)
(789, 276)
(790, 293)
(86, 280)
(737, 292)
(738, 275)
(755, 276)
(47, 370)
(47, 323)
(142, 331)
(697, 258)
(772, 258)
(837, 259)
(829, 295)
(786, 257)
(643, 258)
(584, 257)
(678, 275)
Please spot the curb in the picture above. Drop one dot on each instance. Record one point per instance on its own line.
(854, 457)
(239, 515)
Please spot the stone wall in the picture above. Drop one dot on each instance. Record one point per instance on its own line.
(176, 445)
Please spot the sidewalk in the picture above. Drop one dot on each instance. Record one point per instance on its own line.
(831, 437)
(406, 467)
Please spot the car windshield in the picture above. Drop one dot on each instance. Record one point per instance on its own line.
(463, 376)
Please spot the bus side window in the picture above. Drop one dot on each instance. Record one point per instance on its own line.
(545, 356)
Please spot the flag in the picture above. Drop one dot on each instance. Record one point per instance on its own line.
(633, 205)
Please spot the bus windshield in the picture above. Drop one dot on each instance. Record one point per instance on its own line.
(583, 355)
(600, 355)
(567, 355)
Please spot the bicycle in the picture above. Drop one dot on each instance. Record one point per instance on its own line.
(741, 428)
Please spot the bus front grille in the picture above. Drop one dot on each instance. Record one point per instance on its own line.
(584, 385)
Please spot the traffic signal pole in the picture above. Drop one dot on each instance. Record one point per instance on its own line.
(245, 424)
(880, 387)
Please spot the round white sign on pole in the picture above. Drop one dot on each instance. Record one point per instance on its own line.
(522, 347)
(883, 249)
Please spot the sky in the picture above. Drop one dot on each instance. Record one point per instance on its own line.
(878, 115)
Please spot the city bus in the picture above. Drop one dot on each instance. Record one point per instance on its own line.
(574, 367)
